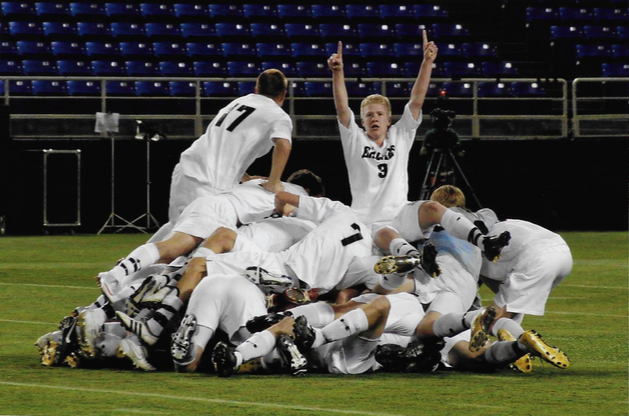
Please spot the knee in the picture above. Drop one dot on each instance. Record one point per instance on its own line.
(381, 306)
(222, 240)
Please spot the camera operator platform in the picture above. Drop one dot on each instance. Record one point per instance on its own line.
(442, 144)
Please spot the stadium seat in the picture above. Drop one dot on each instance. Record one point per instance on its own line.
(615, 69)
(461, 69)
(566, 32)
(458, 89)
(302, 31)
(142, 69)
(208, 68)
(575, 14)
(407, 50)
(396, 12)
(430, 12)
(128, 30)
(74, 67)
(17, 9)
(8, 49)
(176, 69)
(33, 48)
(68, 48)
(10, 67)
(480, 50)
(328, 12)
(100, 49)
(169, 50)
(243, 69)
(76, 87)
(621, 32)
(273, 50)
(449, 31)
(197, 31)
(108, 68)
(312, 69)
(23, 30)
(125, 11)
(585, 51)
(219, 88)
(39, 67)
(246, 87)
(20, 87)
(608, 15)
(598, 33)
(409, 32)
(350, 49)
(48, 87)
(120, 88)
(297, 88)
(191, 11)
(537, 13)
(287, 67)
(52, 9)
(493, 89)
(233, 30)
(94, 30)
(152, 88)
(163, 30)
(267, 30)
(259, 11)
(338, 31)
(302, 50)
(203, 49)
(362, 12)
(182, 88)
(132, 48)
(376, 31)
(369, 50)
(60, 29)
(382, 69)
(452, 51)
(238, 49)
(221, 10)
(493, 69)
(293, 12)
(83, 10)
(526, 89)
(393, 89)
(620, 51)
(157, 10)
(318, 89)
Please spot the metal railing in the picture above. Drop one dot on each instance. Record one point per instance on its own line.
(600, 107)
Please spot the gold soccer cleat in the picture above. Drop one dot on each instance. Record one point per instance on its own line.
(523, 364)
(538, 347)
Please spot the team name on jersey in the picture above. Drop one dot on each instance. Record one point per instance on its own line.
(370, 153)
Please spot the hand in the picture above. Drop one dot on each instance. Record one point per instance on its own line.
(273, 187)
(335, 61)
(430, 49)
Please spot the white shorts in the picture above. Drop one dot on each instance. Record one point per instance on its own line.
(450, 342)
(406, 223)
(457, 287)
(275, 234)
(183, 191)
(405, 314)
(226, 302)
(235, 263)
(353, 355)
(532, 278)
(206, 215)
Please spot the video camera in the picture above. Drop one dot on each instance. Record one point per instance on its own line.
(442, 119)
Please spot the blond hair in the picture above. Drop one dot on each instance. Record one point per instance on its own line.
(449, 196)
(376, 99)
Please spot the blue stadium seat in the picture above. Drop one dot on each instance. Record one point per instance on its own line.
(82, 10)
(157, 10)
(238, 49)
(543, 13)
(222, 10)
(494, 69)
(297, 87)
(480, 50)
(328, 12)
(17, 9)
(8, 48)
(82, 87)
(69, 48)
(565, 32)
(458, 89)
(52, 9)
(307, 50)
(382, 69)
(152, 88)
(60, 29)
(350, 49)
(246, 87)
(98, 49)
(120, 88)
(189, 11)
(293, 11)
(21, 30)
(260, 11)
(615, 69)
(33, 48)
(381, 31)
(243, 69)
(94, 30)
(526, 89)
(176, 69)
(594, 33)
(266, 30)
(219, 88)
(128, 30)
(430, 12)
(287, 67)
(395, 12)
(318, 89)
(302, 31)
(393, 89)
(313, 69)
(232, 29)
(142, 69)
(584, 51)
(608, 15)
(338, 31)
(39, 67)
(620, 51)
(207, 68)
(362, 12)
(182, 88)
(132, 48)
(409, 32)
(108, 68)
(163, 30)
(461, 69)
(197, 30)
(354, 68)
(273, 50)
(74, 67)
(451, 51)
(169, 50)
(10, 67)
(493, 89)
(575, 14)
(450, 31)
(20, 87)
(621, 32)
(47, 87)
(407, 50)
(126, 11)
(369, 50)
(204, 49)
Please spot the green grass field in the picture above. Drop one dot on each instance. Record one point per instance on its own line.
(42, 279)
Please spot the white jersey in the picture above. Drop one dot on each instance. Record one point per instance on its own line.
(378, 176)
(272, 234)
(240, 133)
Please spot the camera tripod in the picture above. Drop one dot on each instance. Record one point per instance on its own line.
(439, 162)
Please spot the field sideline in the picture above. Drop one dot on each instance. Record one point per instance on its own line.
(43, 278)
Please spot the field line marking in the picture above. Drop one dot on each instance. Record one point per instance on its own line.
(594, 287)
(55, 286)
(199, 399)
(11, 321)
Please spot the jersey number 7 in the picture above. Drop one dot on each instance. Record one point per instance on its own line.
(244, 109)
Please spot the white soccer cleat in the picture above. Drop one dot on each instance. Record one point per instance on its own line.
(109, 285)
(138, 328)
(131, 348)
(181, 340)
(267, 281)
(90, 325)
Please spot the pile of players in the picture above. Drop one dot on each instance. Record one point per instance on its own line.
(256, 274)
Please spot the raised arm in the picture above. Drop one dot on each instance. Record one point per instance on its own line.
(341, 101)
(420, 88)
(281, 152)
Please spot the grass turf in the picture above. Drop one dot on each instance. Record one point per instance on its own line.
(43, 278)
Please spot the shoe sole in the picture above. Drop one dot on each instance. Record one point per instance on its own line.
(523, 364)
(540, 348)
(480, 336)
(428, 260)
(219, 358)
(395, 264)
(303, 336)
(292, 354)
(502, 241)
(88, 350)
(126, 349)
(181, 338)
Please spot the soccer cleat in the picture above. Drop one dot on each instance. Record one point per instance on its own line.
(480, 329)
(417, 357)
(73, 360)
(292, 357)
(55, 351)
(260, 323)
(131, 348)
(180, 346)
(224, 360)
(304, 334)
(43, 341)
(492, 245)
(428, 260)
(538, 347)
(109, 285)
(523, 364)
(396, 264)
(267, 281)
(90, 324)
(138, 327)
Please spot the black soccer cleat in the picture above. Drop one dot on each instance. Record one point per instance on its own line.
(224, 360)
(428, 260)
(260, 323)
(417, 357)
(492, 245)
(291, 356)
(304, 334)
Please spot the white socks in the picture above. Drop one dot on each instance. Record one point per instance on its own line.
(141, 257)
(318, 314)
(462, 228)
(510, 325)
(400, 247)
(351, 323)
(258, 345)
